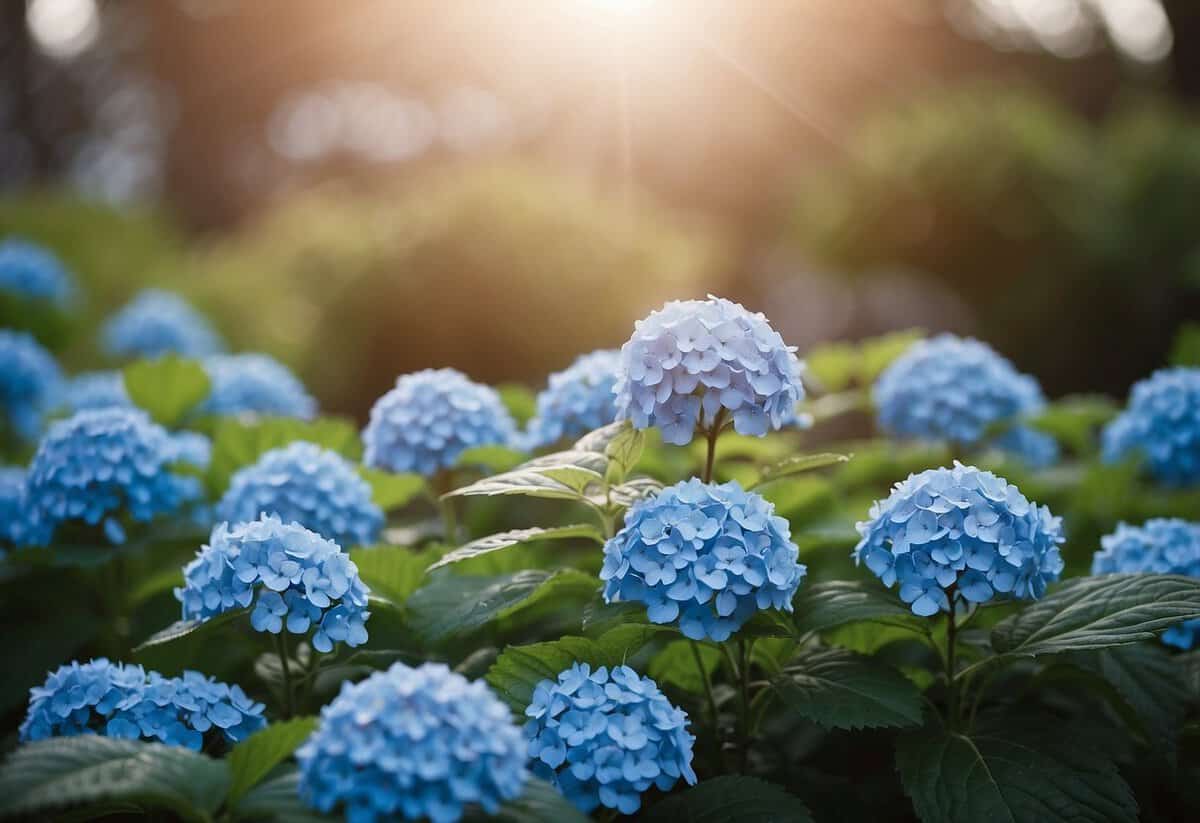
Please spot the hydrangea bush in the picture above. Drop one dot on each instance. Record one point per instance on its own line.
(684, 621)
(32, 273)
(30, 382)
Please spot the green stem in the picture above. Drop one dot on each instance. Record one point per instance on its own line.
(708, 689)
(289, 708)
(952, 682)
(710, 435)
(744, 715)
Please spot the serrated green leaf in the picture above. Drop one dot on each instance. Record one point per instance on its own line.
(797, 464)
(676, 664)
(278, 799)
(1011, 775)
(1096, 612)
(39, 778)
(167, 388)
(633, 491)
(731, 799)
(174, 649)
(392, 572)
(576, 478)
(522, 481)
(503, 540)
(820, 607)
(839, 689)
(389, 490)
(539, 802)
(623, 452)
(238, 443)
(253, 758)
(598, 440)
(494, 458)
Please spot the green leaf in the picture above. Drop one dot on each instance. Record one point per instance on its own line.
(503, 540)
(798, 464)
(676, 664)
(278, 799)
(623, 452)
(731, 799)
(391, 491)
(455, 605)
(392, 572)
(519, 400)
(839, 689)
(253, 758)
(539, 802)
(820, 607)
(167, 387)
(176, 647)
(632, 491)
(39, 778)
(1074, 420)
(522, 481)
(493, 458)
(1012, 775)
(238, 443)
(1096, 612)
(598, 440)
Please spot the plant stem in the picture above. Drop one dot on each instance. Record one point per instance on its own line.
(708, 689)
(281, 650)
(710, 435)
(744, 717)
(951, 675)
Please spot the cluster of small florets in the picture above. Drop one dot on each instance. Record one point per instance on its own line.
(1159, 546)
(292, 576)
(12, 506)
(125, 701)
(703, 555)
(30, 382)
(430, 418)
(1162, 425)
(415, 743)
(159, 322)
(1035, 449)
(96, 390)
(255, 384)
(577, 400)
(306, 484)
(960, 531)
(102, 465)
(695, 360)
(604, 737)
(30, 272)
(951, 388)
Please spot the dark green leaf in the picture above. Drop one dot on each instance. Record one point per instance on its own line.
(839, 689)
(503, 540)
(178, 646)
(167, 387)
(238, 443)
(1013, 775)
(539, 802)
(391, 491)
(48, 775)
(676, 664)
(820, 607)
(254, 757)
(278, 799)
(1096, 612)
(798, 464)
(392, 572)
(731, 799)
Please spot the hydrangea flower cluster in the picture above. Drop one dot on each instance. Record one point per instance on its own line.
(160, 322)
(30, 382)
(1158, 546)
(694, 359)
(255, 384)
(32, 273)
(708, 556)
(430, 418)
(1035, 449)
(101, 464)
(604, 737)
(125, 701)
(96, 390)
(292, 576)
(306, 484)
(1162, 423)
(12, 506)
(960, 531)
(951, 388)
(414, 743)
(577, 400)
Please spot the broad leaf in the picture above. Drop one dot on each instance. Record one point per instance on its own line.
(598, 440)
(503, 540)
(177, 647)
(493, 458)
(798, 464)
(731, 799)
(391, 491)
(238, 443)
(519, 400)
(1074, 420)
(539, 802)
(820, 607)
(278, 799)
(523, 481)
(40, 778)
(633, 491)
(623, 453)
(839, 689)
(1096, 612)
(1012, 775)
(595, 461)
(253, 758)
(676, 664)
(167, 387)
(392, 572)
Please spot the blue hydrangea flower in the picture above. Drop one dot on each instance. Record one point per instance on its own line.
(577, 400)
(960, 531)
(102, 465)
(30, 382)
(123, 700)
(704, 555)
(292, 576)
(430, 418)
(414, 743)
(12, 506)
(255, 384)
(159, 322)
(1034, 448)
(604, 737)
(96, 390)
(951, 388)
(306, 484)
(1158, 546)
(695, 360)
(1162, 424)
(31, 272)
